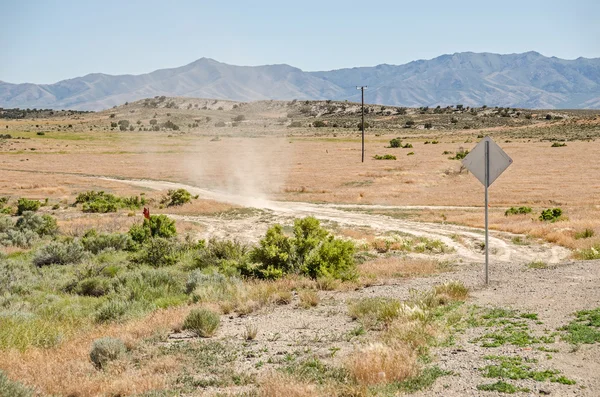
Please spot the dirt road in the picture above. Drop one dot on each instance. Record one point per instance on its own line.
(465, 241)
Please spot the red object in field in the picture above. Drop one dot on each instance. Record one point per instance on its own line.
(146, 213)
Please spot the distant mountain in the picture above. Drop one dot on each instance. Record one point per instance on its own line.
(528, 80)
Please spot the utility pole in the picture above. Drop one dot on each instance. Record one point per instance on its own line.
(362, 124)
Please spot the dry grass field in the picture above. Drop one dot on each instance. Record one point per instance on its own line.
(412, 318)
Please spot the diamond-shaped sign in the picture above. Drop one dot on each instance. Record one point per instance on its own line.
(498, 160)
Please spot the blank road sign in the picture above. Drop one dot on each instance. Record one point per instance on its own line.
(475, 161)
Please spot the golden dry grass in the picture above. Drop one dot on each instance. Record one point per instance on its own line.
(379, 363)
(308, 298)
(279, 385)
(395, 267)
(67, 369)
(576, 219)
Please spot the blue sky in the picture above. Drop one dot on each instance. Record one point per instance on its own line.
(47, 41)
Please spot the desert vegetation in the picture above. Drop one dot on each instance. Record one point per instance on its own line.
(347, 278)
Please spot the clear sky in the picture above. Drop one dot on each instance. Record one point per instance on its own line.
(45, 41)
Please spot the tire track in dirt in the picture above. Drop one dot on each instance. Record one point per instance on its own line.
(464, 240)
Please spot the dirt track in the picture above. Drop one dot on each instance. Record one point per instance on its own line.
(465, 241)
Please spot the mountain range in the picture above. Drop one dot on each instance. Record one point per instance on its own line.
(528, 80)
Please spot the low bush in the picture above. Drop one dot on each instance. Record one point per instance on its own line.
(57, 253)
(587, 233)
(24, 204)
(312, 252)
(43, 225)
(101, 202)
(395, 143)
(319, 124)
(27, 230)
(176, 197)
(517, 211)
(460, 154)
(111, 310)
(96, 243)
(551, 215)
(231, 257)
(559, 144)
(105, 350)
(6, 224)
(156, 226)
(9, 388)
(158, 252)
(203, 322)
(360, 125)
(384, 157)
(18, 238)
(93, 286)
(591, 253)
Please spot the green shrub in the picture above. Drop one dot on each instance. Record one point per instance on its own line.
(101, 202)
(587, 233)
(360, 125)
(384, 157)
(517, 211)
(275, 253)
(229, 256)
(6, 224)
(158, 252)
(9, 388)
(460, 154)
(96, 243)
(156, 226)
(176, 197)
(203, 322)
(93, 286)
(333, 258)
(319, 124)
(111, 310)
(24, 204)
(551, 214)
(407, 146)
(105, 350)
(395, 143)
(558, 144)
(19, 238)
(591, 253)
(312, 252)
(43, 225)
(57, 253)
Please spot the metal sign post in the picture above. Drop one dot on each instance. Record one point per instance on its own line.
(486, 162)
(487, 183)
